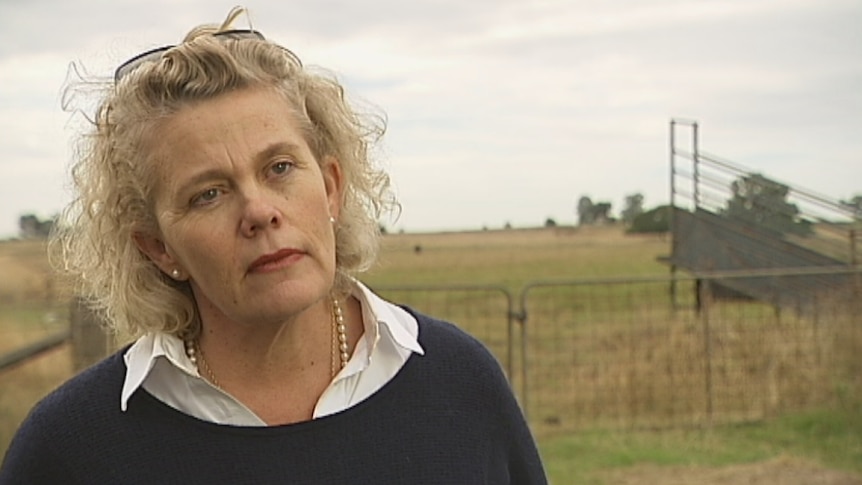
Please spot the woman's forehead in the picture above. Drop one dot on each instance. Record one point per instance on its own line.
(242, 120)
(236, 128)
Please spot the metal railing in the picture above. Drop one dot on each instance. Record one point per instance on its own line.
(703, 181)
(621, 353)
(31, 351)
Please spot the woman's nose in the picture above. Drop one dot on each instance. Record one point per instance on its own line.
(259, 214)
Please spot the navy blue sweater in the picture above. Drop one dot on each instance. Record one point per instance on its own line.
(447, 417)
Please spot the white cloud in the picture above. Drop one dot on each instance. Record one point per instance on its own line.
(501, 109)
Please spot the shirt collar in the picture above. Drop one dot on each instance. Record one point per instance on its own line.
(142, 356)
(400, 326)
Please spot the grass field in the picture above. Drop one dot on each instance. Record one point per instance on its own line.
(513, 258)
(820, 442)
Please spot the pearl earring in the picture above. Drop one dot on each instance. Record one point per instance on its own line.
(175, 273)
(331, 220)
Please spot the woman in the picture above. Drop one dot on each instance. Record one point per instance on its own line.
(226, 199)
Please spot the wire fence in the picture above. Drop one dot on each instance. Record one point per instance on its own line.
(660, 352)
(616, 354)
(629, 354)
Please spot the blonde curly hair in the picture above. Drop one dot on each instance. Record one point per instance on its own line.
(95, 236)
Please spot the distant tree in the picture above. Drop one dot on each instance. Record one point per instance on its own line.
(590, 213)
(30, 226)
(634, 207)
(602, 213)
(585, 211)
(854, 204)
(652, 221)
(763, 202)
(508, 225)
(550, 222)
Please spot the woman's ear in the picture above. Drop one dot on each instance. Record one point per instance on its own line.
(333, 180)
(154, 248)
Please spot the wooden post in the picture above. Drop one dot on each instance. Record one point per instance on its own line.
(90, 342)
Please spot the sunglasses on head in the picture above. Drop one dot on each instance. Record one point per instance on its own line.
(154, 54)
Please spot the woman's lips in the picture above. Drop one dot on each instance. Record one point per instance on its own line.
(275, 261)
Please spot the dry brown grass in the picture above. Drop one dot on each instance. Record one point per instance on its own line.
(26, 275)
(599, 365)
(514, 257)
(32, 306)
(616, 355)
(598, 355)
(23, 386)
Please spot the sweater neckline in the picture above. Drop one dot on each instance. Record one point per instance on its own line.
(154, 404)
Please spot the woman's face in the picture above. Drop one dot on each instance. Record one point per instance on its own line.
(243, 207)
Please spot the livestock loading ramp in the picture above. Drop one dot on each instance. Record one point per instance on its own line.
(735, 220)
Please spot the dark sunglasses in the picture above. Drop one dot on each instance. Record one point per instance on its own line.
(154, 54)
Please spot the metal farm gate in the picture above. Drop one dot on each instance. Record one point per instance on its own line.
(621, 354)
(635, 353)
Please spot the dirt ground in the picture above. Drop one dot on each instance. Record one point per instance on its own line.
(780, 471)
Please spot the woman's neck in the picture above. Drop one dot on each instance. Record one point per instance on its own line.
(278, 370)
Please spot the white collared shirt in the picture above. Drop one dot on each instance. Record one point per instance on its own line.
(158, 363)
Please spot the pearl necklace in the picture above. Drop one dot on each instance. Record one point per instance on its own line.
(196, 355)
(341, 342)
(339, 346)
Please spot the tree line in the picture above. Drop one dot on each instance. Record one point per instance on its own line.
(754, 199)
(31, 226)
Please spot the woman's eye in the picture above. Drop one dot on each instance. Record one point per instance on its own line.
(206, 197)
(280, 168)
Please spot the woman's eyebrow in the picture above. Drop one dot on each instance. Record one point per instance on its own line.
(278, 148)
(270, 151)
(198, 178)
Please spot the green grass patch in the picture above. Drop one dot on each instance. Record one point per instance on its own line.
(582, 457)
(831, 438)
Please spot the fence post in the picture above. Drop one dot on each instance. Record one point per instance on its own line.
(854, 262)
(90, 342)
(705, 297)
(522, 320)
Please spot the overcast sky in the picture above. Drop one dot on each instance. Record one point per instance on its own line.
(499, 110)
